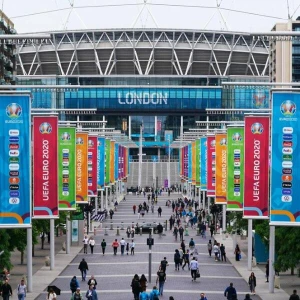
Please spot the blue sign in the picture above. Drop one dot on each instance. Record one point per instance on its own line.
(251, 98)
(203, 163)
(285, 161)
(15, 161)
(101, 163)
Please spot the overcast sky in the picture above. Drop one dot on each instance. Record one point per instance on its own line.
(164, 16)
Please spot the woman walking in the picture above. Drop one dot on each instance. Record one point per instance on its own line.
(92, 244)
(136, 287)
(252, 283)
(237, 252)
(143, 282)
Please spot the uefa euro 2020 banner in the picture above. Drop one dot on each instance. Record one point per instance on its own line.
(107, 162)
(198, 163)
(45, 190)
(211, 166)
(235, 168)
(256, 182)
(66, 168)
(221, 169)
(15, 161)
(285, 162)
(194, 163)
(92, 165)
(81, 167)
(203, 162)
(101, 163)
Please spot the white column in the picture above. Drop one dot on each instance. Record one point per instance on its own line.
(29, 259)
(181, 125)
(68, 234)
(271, 258)
(203, 199)
(249, 244)
(129, 127)
(155, 127)
(106, 197)
(169, 165)
(224, 220)
(101, 195)
(96, 204)
(52, 245)
(140, 157)
(199, 197)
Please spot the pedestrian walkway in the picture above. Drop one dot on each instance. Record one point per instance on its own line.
(114, 273)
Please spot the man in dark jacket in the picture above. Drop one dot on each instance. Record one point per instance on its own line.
(230, 292)
(6, 290)
(83, 267)
(294, 296)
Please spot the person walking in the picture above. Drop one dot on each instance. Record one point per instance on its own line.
(203, 297)
(194, 265)
(136, 286)
(177, 260)
(159, 210)
(91, 293)
(252, 283)
(223, 252)
(128, 232)
(83, 267)
(192, 244)
(175, 233)
(237, 252)
(230, 292)
(21, 290)
(115, 246)
(294, 296)
(103, 246)
(161, 279)
(123, 244)
(132, 246)
(154, 294)
(216, 250)
(186, 259)
(247, 297)
(143, 282)
(144, 295)
(92, 244)
(127, 248)
(181, 231)
(163, 264)
(51, 295)
(92, 282)
(267, 271)
(134, 208)
(77, 295)
(209, 247)
(74, 284)
(212, 229)
(85, 244)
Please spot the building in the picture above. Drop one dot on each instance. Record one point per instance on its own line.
(7, 52)
(163, 79)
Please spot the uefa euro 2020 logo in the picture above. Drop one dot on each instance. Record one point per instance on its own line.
(65, 136)
(13, 110)
(236, 137)
(288, 108)
(79, 141)
(213, 143)
(259, 100)
(257, 128)
(91, 144)
(223, 142)
(45, 128)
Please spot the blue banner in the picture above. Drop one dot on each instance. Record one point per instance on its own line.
(190, 162)
(116, 161)
(15, 161)
(203, 164)
(285, 160)
(101, 163)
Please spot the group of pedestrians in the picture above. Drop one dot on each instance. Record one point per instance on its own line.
(124, 246)
(91, 293)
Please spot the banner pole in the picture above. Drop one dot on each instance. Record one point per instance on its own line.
(224, 221)
(271, 258)
(29, 260)
(250, 221)
(68, 234)
(101, 195)
(52, 245)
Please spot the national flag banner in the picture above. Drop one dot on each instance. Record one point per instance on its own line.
(92, 165)
(116, 161)
(221, 168)
(112, 162)
(81, 168)
(285, 160)
(235, 168)
(107, 162)
(194, 163)
(198, 163)
(15, 161)
(256, 183)
(211, 166)
(66, 164)
(203, 162)
(190, 161)
(158, 125)
(45, 191)
(100, 163)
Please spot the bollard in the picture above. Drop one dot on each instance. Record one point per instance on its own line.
(198, 231)
(186, 232)
(105, 231)
(118, 231)
(141, 231)
(122, 225)
(111, 225)
(166, 225)
(95, 230)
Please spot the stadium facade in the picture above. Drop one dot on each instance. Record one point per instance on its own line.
(165, 79)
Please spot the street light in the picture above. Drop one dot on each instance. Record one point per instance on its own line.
(169, 163)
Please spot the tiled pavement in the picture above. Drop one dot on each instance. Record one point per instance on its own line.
(114, 273)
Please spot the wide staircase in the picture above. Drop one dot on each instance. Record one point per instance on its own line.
(151, 170)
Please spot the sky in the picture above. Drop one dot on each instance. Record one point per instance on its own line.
(120, 14)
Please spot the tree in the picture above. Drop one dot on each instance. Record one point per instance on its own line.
(5, 247)
(19, 236)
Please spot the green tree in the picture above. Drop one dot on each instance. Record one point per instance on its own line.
(5, 247)
(19, 236)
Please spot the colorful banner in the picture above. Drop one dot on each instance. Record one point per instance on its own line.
(198, 163)
(92, 165)
(235, 168)
(81, 167)
(101, 163)
(256, 184)
(194, 163)
(15, 161)
(117, 159)
(203, 162)
(107, 162)
(112, 162)
(211, 166)
(189, 162)
(285, 161)
(45, 192)
(221, 169)
(66, 168)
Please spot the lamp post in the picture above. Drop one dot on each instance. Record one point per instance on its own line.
(169, 164)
